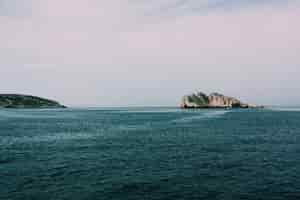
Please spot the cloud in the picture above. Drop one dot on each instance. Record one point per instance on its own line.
(188, 7)
(112, 50)
(88, 33)
(15, 8)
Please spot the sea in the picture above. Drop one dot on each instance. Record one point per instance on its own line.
(156, 153)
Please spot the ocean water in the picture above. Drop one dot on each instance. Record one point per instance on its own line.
(149, 153)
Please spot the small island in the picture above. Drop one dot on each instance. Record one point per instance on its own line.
(27, 101)
(214, 100)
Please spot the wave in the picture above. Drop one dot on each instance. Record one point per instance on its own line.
(151, 110)
(294, 109)
(132, 127)
(47, 113)
(202, 116)
(9, 140)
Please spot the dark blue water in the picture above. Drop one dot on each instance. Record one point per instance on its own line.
(149, 153)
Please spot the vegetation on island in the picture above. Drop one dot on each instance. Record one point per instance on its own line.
(27, 101)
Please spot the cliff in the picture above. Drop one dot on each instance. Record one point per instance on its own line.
(214, 100)
(26, 101)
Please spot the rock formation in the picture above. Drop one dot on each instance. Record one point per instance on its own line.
(26, 101)
(214, 100)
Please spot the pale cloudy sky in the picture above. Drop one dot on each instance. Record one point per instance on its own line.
(141, 52)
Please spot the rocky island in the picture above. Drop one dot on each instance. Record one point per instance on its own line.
(26, 101)
(214, 100)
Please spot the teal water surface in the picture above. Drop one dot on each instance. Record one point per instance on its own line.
(149, 153)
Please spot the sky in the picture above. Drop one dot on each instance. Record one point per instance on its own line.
(150, 53)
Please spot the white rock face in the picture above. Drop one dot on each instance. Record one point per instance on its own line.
(219, 100)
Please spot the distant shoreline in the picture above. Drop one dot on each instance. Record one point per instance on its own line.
(18, 101)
